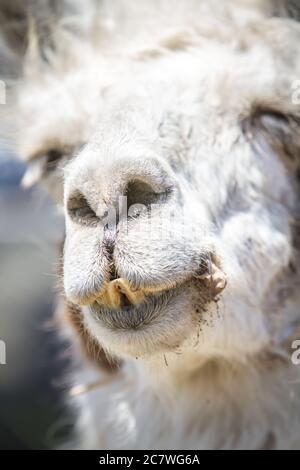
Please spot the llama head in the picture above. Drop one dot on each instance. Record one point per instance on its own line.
(179, 165)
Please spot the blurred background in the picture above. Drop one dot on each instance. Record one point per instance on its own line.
(32, 415)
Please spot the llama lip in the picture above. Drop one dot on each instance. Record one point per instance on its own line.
(117, 314)
(134, 317)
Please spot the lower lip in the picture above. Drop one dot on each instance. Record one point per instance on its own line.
(134, 317)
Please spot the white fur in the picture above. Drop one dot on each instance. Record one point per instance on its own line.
(167, 101)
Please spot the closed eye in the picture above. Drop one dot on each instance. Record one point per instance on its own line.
(40, 166)
(43, 163)
(53, 157)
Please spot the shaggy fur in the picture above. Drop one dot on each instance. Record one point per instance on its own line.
(192, 116)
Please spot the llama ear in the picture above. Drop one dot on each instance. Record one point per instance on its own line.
(289, 8)
(293, 9)
(30, 24)
(14, 24)
(267, 129)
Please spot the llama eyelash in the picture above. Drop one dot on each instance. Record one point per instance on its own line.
(34, 172)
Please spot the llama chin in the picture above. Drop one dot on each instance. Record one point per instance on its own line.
(184, 331)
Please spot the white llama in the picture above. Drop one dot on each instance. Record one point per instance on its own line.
(190, 110)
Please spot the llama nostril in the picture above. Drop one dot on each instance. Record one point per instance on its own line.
(141, 193)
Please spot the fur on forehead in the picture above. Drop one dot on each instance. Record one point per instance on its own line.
(63, 69)
(44, 28)
(264, 43)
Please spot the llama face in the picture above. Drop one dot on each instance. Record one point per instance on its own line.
(170, 199)
(131, 195)
(179, 193)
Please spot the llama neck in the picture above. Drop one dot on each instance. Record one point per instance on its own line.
(218, 405)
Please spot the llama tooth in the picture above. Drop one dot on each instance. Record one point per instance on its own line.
(134, 296)
(117, 289)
